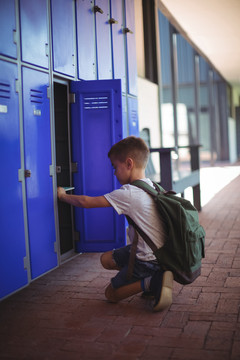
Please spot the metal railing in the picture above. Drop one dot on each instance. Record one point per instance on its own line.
(191, 180)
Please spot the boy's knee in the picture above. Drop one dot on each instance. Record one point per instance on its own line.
(107, 261)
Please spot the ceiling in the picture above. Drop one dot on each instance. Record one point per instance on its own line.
(214, 27)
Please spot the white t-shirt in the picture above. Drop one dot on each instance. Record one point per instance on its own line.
(141, 208)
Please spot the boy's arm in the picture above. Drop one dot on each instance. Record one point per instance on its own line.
(82, 200)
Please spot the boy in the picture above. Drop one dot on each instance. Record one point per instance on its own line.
(129, 158)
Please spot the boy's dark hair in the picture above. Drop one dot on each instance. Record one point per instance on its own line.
(133, 147)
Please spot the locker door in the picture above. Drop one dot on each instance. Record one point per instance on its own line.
(104, 54)
(86, 40)
(34, 32)
(118, 49)
(63, 36)
(7, 28)
(96, 126)
(39, 189)
(12, 273)
(131, 47)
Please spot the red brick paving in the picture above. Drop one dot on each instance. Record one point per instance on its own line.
(64, 314)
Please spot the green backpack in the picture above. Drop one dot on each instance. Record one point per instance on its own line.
(184, 247)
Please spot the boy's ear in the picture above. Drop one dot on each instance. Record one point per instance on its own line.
(129, 163)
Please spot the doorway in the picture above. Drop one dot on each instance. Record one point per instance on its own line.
(63, 166)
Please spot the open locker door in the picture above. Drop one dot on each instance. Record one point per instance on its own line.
(96, 125)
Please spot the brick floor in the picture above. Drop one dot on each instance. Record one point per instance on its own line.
(64, 314)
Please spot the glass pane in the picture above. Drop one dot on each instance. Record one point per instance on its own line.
(186, 108)
(204, 116)
(166, 90)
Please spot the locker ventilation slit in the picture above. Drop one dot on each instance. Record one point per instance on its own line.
(36, 96)
(96, 103)
(5, 91)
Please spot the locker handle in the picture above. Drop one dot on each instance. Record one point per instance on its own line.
(127, 30)
(112, 21)
(98, 9)
(27, 173)
(46, 49)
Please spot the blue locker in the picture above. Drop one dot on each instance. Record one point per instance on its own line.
(131, 47)
(63, 36)
(39, 188)
(96, 126)
(34, 32)
(133, 116)
(103, 32)
(86, 40)
(118, 48)
(12, 239)
(7, 28)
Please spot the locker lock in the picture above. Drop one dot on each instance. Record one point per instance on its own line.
(27, 173)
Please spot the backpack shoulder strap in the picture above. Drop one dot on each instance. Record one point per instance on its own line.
(154, 192)
(144, 186)
(145, 237)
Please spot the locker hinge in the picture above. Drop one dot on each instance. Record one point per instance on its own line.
(21, 175)
(71, 98)
(55, 247)
(48, 92)
(51, 170)
(76, 236)
(25, 263)
(17, 86)
(74, 167)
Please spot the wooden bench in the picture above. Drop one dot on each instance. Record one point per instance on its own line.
(190, 180)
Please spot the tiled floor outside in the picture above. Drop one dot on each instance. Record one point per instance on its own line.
(64, 314)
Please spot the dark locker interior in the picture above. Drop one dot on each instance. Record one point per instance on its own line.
(63, 161)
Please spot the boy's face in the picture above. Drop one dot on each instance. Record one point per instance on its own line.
(122, 170)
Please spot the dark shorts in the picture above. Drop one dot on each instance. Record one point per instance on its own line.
(142, 269)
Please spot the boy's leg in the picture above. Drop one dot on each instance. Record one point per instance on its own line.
(161, 284)
(118, 260)
(158, 282)
(123, 292)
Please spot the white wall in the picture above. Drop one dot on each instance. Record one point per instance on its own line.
(148, 113)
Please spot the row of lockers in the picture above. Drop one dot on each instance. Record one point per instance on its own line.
(28, 209)
(40, 228)
(97, 37)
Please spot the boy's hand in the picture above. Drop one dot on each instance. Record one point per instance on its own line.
(60, 192)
